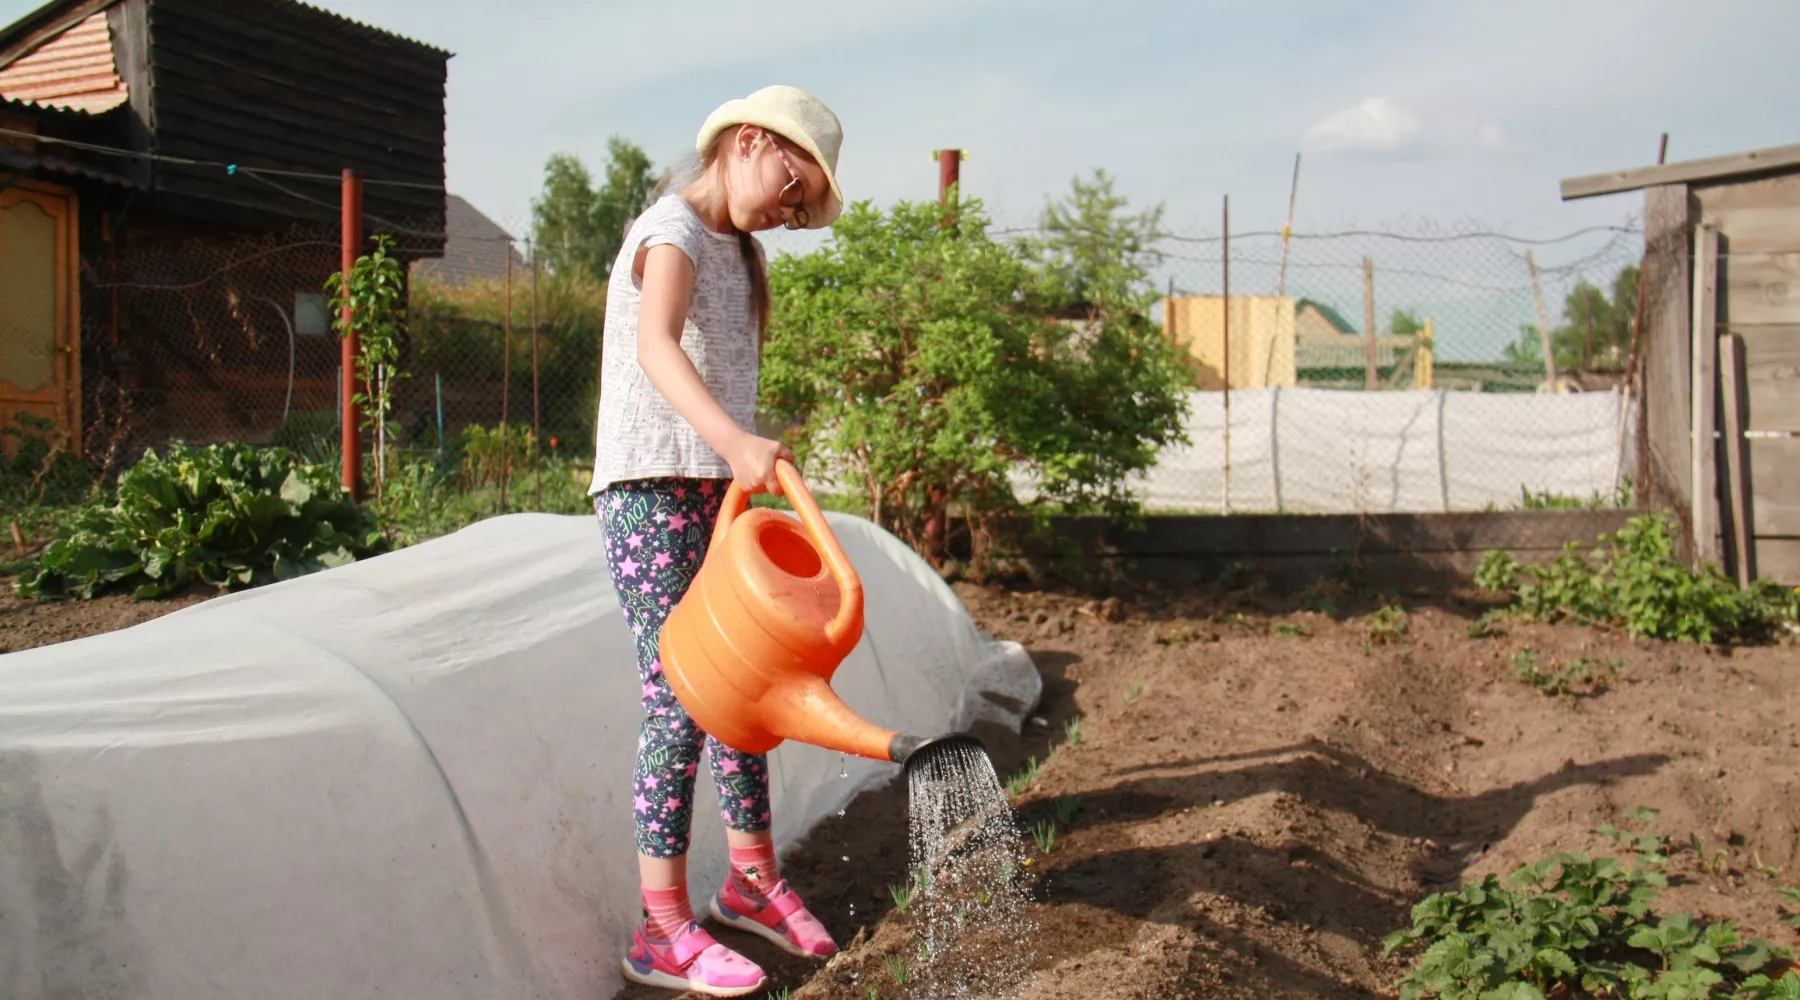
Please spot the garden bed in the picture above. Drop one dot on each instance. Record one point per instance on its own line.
(1284, 784)
(1282, 791)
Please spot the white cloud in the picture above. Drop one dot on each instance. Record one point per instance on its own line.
(1375, 125)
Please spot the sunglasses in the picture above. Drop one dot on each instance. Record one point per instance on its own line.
(797, 217)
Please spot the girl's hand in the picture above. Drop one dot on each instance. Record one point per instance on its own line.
(753, 460)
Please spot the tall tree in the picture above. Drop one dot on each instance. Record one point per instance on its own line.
(563, 218)
(578, 226)
(1099, 255)
(621, 198)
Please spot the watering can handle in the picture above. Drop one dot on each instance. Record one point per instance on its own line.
(850, 596)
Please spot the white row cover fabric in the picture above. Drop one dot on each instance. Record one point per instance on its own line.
(1334, 451)
(409, 777)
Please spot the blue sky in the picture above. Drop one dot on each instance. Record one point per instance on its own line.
(1407, 110)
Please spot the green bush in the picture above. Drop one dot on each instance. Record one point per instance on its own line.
(1570, 926)
(228, 515)
(1634, 581)
(926, 365)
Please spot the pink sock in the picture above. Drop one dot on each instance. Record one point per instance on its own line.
(753, 870)
(667, 911)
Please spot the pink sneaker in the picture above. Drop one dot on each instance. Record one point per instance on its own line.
(783, 920)
(692, 961)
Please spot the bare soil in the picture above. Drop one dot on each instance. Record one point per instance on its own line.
(1282, 789)
(27, 624)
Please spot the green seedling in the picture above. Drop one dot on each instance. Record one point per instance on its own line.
(1045, 835)
(1583, 676)
(1291, 630)
(1483, 627)
(1066, 809)
(785, 993)
(1072, 731)
(897, 970)
(903, 893)
(1714, 863)
(1133, 693)
(1386, 626)
(1790, 917)
(1651, 847)
(1020, 783)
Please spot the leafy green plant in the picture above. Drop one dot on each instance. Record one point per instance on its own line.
(1044, 832)
(369, 303)
(1571, 925)
(227, 515)
(1385, 626)
(1581, 676)
(897, 968)
(1790, 917)
(1634, 581)
(1072, 731)
(1067, 808)
(1133, 693)
(488, 453)
(929, 365)
(1291, 630)
(1651, 847)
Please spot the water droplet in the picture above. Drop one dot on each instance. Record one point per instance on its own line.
(846, 857)
(843, 765)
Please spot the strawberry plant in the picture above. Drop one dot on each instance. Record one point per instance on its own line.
(1574, 926)
(1634, 581)
(1582, 676)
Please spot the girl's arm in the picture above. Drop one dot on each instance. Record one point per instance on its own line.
(668, 286)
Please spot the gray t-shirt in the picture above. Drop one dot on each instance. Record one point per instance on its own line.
(640, 435)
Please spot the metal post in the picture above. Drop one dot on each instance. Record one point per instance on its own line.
(506, 380)
(1225, 327)
(537, 428)
(1370, 381)
(1537, 296)
(949, 173)
(440, 420)
(349, 419)
(1287, 231)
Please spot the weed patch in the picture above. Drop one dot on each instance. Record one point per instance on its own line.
(1385, 626)
(1634, 581)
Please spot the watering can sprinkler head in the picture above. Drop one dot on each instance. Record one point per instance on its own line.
(914, 752)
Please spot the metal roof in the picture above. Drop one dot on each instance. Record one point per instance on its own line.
(73, 70)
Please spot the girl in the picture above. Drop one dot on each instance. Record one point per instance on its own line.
(686, 311)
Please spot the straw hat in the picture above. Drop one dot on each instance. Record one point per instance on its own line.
(796, 116)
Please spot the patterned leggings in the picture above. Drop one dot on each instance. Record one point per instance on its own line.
(656, 534)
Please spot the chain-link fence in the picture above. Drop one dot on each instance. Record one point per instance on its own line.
(1455, 402)
(216, 339)
(1449, 406)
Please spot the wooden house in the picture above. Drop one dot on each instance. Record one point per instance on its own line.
(1719, 437)
(170, 173)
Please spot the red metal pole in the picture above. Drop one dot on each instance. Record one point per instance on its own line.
(949, 173)
(351, 440)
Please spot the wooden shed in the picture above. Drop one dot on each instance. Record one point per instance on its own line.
(169, 196)
(1719, 436)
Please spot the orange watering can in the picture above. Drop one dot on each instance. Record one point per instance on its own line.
(750, 649)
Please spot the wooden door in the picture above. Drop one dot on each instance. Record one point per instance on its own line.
(40, 328)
